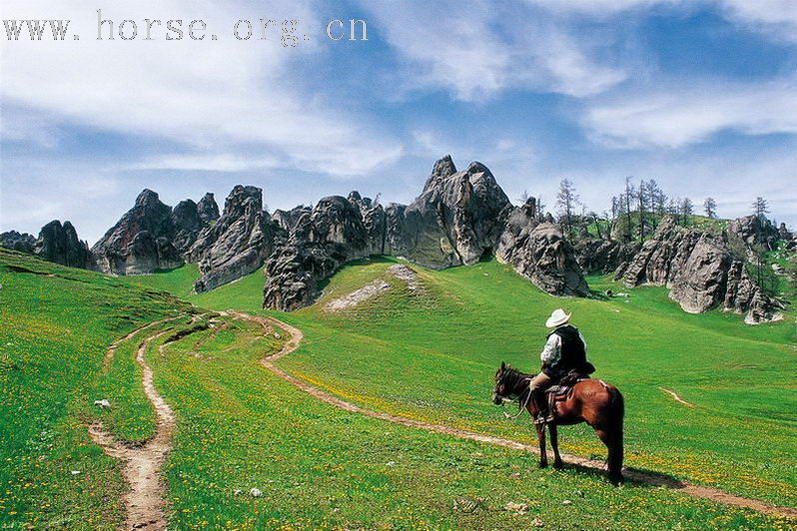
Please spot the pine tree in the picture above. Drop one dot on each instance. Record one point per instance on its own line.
(760, 207)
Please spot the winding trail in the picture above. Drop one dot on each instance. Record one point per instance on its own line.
(145, 503)
(650, 478)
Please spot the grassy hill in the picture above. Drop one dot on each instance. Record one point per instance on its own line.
(428, 354)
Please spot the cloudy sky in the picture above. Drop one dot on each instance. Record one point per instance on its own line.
(700, 95)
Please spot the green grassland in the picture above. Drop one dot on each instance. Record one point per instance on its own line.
(55, 325)
(431, 356)
(428, 354)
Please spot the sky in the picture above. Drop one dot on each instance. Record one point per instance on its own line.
(700, 95)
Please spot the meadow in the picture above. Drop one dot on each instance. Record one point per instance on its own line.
(428, 354)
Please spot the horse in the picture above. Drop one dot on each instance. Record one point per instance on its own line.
(593, 401)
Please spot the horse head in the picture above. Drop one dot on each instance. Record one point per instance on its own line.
(500, 389)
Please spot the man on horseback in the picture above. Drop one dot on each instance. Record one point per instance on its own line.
(565, 352)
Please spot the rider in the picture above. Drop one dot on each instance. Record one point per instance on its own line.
(565, 351)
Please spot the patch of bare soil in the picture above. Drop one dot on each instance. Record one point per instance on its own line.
(404, 273)
(356, 297)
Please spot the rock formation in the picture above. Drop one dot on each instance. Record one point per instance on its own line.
(539, 252)
(152, 236)
(237, 243)
(701, 271)
(60, 244)
(596, 255)
(22, 242)
(456, 220)
(319, 244)
(207, 209)
(141, 241)
(287, 219)
(754, 232)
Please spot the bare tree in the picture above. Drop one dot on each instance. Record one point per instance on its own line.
(710, 206)
(760, 207)
(567, 201)
(629, 195)
(524, 196)
(687, 210)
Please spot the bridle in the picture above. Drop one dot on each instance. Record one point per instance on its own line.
(521, 404)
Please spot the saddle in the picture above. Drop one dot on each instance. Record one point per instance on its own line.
(563, 388)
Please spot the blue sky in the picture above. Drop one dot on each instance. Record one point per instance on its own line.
(699, 95)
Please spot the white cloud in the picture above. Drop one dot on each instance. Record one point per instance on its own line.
(686, 115)
(476, 50)
(210, 95)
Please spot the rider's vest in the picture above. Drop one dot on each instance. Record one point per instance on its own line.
(573, 351)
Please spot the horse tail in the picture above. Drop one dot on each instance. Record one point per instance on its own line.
(617, 412)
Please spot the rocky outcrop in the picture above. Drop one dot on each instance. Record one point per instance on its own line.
(754, 232)
(456, 220)
(186, 225)
(595, 255)
(237, 243)
(22, 242)
(539, 252)
(141, 241)
(374, 221)
(701, 271)
(207, 209)
(287, 219)
(60, 244)
(319, 244)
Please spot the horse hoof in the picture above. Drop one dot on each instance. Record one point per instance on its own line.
(617, 481)
(543, 465)
(558, 465)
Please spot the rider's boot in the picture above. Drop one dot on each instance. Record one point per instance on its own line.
(538, 395)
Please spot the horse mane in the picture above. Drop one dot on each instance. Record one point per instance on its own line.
(512, 377)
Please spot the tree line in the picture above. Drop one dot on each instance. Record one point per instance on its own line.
(634, 213)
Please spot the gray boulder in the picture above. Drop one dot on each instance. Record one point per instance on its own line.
(186, 225)
(237, 243)
(753, 232)
(319, 244)
(287, 219)
(60, 244)
(539, 252)
(22, 242)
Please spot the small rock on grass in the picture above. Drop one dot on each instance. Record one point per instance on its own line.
(537, 523)
(517, 508)
(255, 493)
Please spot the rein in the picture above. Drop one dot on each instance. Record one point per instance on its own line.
(521, 405)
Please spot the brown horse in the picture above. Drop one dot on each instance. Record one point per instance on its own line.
(592, 401)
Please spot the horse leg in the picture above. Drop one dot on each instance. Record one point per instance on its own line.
(615, 447)
(541, 437)
(557, 459)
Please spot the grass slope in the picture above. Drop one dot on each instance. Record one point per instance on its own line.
(56, 323)
(431, 356)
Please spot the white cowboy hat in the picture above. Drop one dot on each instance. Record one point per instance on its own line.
(557, 318)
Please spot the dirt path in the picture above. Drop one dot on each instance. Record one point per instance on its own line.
(677, 398)
(109, 354)
(650, 478)
(146, 502)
